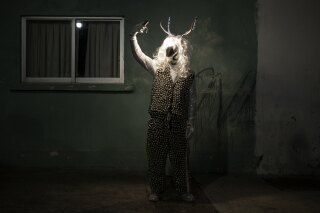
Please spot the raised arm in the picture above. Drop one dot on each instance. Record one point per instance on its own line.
(145, 61)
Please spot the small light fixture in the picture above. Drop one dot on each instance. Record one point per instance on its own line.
(79, 25)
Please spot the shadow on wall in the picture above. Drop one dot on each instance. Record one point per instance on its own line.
(225, 132)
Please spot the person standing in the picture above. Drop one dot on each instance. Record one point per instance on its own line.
(171, 110)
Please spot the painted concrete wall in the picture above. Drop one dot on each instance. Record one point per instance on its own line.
(108, 129)
(288, 87)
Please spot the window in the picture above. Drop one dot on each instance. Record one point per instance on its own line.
(72, 49)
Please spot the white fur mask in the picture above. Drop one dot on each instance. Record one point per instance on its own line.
(174, 51)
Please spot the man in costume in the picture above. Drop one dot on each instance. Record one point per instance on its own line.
(172, 110)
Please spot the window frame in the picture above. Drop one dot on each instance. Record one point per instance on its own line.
(73, 78)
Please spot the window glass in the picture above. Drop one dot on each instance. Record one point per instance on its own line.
(97, 49)
(48, 48)
(72, 49)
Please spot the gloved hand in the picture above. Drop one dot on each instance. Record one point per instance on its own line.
(140, 28)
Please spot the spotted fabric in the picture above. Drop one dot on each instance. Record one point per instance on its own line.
(167, 137)
(168, 96)
(167, 130)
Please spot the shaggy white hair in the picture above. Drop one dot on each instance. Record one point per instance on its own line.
(182, 65)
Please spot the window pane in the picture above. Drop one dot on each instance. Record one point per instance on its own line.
(48, 48)
(98, 49)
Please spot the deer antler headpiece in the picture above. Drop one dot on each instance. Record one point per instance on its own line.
(186, 33)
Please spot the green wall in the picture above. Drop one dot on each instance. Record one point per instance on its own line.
(107, 128)
(288, 85)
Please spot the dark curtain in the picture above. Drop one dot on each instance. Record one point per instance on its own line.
(48, 49)
(103, 49)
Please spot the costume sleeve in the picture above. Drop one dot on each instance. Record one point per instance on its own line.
(142, 58)
(192, 103)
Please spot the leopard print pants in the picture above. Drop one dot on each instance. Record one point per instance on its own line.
(167, 136)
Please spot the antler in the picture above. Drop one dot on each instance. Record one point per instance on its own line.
(192, 27)
(167, 32)
(169, 25)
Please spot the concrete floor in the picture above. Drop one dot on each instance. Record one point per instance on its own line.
(93, 191)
